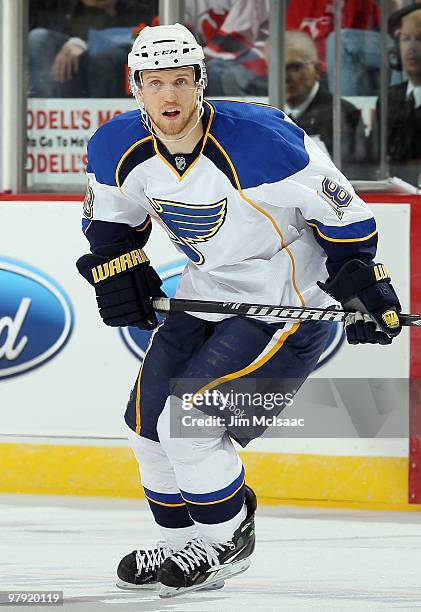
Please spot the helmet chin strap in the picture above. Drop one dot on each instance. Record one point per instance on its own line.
(147, 122)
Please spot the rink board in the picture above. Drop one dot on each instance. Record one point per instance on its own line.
(347, 481)
(61, 419)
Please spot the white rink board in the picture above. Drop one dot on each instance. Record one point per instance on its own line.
(82, 391)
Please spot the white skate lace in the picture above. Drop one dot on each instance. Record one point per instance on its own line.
(151, 559)
(195, 553)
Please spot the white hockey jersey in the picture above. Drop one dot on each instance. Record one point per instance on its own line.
(260, 212)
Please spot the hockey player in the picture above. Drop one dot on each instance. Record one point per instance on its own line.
(262, 215)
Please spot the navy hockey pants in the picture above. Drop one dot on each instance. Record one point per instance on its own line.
(238, 355)
(194, 481)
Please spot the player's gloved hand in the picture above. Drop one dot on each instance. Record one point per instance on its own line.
(361, 328)
(124, 283)
(366, 288)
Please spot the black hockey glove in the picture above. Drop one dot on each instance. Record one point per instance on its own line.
(124, 283)
(366, 288)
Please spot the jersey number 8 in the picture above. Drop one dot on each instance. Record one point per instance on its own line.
(337, 194)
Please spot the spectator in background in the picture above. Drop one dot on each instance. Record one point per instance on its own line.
(310, 105)
(404, 102)
(359, 42)
(205, 17)
(235, 53)
(317, 18)
(61, 63)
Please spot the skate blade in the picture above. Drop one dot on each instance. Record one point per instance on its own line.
(153, 586)
(225, 571)
(214, 586)
(129, 586)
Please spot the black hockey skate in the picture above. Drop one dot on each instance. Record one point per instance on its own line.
(138, 570)
(201, 564)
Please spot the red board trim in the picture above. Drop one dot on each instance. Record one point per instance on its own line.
(41, 197)
(414, 476)
(414, 464)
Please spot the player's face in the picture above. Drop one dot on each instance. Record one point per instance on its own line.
(300, 75)
(170, 99)
(410, 46)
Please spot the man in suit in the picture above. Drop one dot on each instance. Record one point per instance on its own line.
(310, 105)
(404, 103)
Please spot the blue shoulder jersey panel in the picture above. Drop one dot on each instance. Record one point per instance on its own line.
(110, 142)
(352, 232)
(251, 133)
(342, 243)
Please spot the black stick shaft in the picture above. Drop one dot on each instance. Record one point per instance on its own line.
(284, 313)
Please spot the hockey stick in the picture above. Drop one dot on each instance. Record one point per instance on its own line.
(285, 313)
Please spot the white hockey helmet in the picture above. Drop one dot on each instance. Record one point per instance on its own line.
(165, 46)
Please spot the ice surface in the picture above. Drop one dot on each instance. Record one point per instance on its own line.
(306, 559)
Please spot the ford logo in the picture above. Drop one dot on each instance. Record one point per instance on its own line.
(36, 318)
(137, 340)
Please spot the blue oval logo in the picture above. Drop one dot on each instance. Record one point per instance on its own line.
(36, 318)
(137, 340)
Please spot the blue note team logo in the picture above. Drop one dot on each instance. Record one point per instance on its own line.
(36, 318)
(137, 340)
(188, 225)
